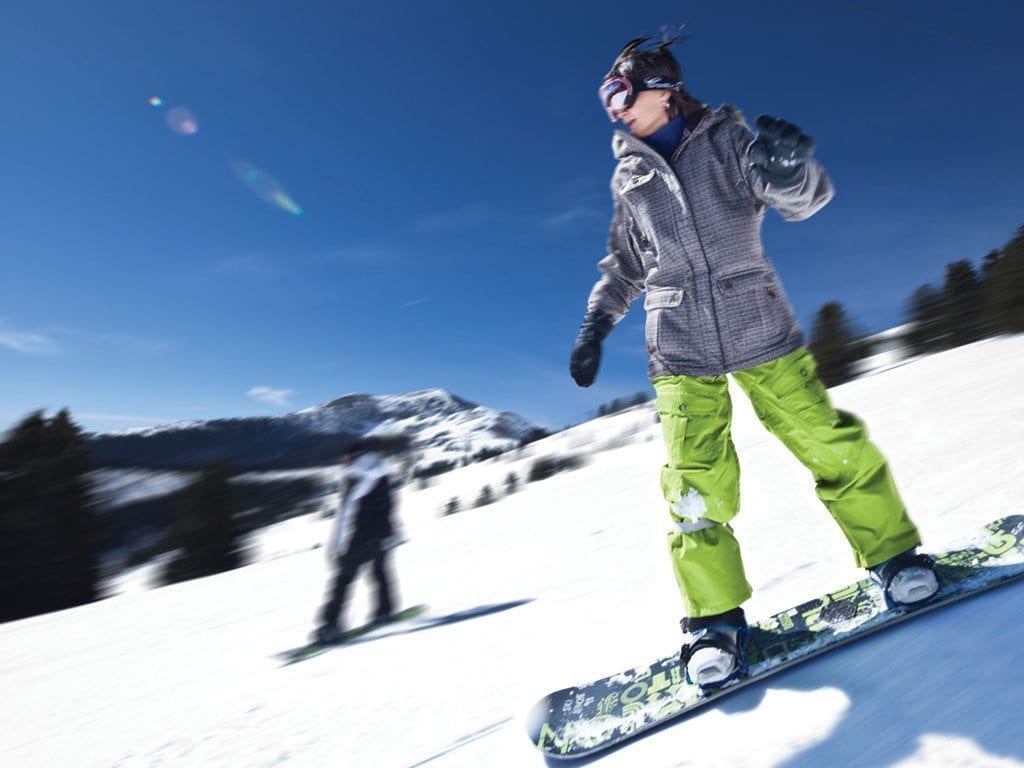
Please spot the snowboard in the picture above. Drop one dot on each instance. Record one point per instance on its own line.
(315, 648)
(582, 720)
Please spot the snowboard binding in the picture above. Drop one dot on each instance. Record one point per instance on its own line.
(907, 580)
(714, 655)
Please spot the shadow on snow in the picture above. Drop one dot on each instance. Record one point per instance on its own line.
(432, 622)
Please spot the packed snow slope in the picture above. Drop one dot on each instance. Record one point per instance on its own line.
(562, 582)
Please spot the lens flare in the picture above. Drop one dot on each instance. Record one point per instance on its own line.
(181, 120)
(264, 186)
(285, 202)
(156, 101)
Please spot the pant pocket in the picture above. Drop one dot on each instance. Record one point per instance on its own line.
(673, 427)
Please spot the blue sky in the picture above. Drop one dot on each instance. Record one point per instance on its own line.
(451, 163)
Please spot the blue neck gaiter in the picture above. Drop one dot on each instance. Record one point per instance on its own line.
(666, 139)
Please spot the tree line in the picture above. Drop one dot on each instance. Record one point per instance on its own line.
(972, 303)
(52, 532)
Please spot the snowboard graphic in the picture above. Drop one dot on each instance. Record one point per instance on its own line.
(582, 720)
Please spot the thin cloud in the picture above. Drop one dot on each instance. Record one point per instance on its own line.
(370, 255)
(415, 303)
(251, 266)
(583, 201)
(578, 214)
(28, 343)
(467, 217)
(270, 396)
(57, 338)
(129, 342)
(592, 187)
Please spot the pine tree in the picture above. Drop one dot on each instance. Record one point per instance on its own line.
(834, 345)
(486, 497)
(963, 303)
(989, 264)
(21, 528)
(1004, 289)
(511, 483)
(206, 534)
(72, 505)
(48, 526)
(925, 313)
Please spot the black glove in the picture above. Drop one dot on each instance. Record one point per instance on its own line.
(586, 351)
(779, 150)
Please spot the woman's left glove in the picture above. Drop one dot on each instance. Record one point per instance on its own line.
(779, 150)
(586, 351)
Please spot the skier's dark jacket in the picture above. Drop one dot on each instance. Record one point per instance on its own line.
(688, 233)
(364, 517)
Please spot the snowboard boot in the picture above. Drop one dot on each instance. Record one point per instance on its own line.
(907, 579)
(713, 652)
(328, 634)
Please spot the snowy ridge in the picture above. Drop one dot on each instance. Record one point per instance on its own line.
(157, 429)
(444, 426)
(441, 426)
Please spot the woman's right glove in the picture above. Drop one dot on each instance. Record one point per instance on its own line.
(586, 351)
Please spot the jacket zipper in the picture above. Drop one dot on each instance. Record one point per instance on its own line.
(675, 183)
(710, 284)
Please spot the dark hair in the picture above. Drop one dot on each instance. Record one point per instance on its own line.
(636, 63)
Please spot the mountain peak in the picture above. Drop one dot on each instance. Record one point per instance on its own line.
(442, 427)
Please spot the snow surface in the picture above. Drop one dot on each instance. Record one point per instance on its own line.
(570, 581)
(118, 487)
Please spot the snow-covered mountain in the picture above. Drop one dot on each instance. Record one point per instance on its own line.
(442, 428)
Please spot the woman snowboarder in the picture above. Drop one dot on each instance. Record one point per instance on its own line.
(690, 192)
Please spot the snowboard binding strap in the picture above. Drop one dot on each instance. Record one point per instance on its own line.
(886, 574)
(720, 638)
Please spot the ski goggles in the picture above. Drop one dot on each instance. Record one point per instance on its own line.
(619, 93)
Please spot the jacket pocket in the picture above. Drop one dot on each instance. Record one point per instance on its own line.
(669, 325)
(755, 312)
(652, 204)
(637, 181)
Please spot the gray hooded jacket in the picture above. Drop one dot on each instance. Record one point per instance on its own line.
(689, 234)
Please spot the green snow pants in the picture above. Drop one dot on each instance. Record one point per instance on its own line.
(701, 481)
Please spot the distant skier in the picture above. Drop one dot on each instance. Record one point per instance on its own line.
(690, 192)
(363, 534)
